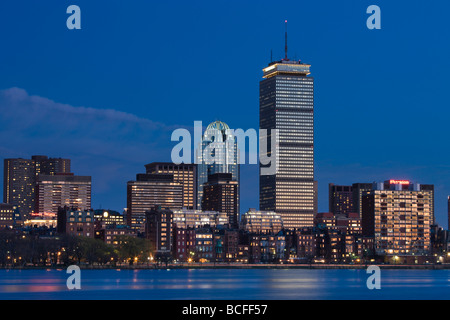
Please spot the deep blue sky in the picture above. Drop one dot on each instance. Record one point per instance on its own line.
(109, 95)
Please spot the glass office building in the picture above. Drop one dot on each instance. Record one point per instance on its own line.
(218, 153)
(287, 104)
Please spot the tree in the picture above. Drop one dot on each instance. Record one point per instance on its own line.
(132, 249)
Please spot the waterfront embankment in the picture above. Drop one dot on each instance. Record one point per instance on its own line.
(241, 266)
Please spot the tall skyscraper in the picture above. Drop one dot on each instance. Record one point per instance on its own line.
(218, 153)
(287, 104)
(185, 174)
(62, 189)
(148, 191)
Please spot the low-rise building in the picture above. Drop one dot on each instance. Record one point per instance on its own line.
(188, 218)
(6, 215)
(256, 221)
(75, 222)
(158, 229)
(204, 245)
(183, 244)
(111, 234)
(110, 217)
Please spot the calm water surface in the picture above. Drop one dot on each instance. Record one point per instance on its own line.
(232, 284)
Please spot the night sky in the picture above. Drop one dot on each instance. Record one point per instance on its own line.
(108, 96)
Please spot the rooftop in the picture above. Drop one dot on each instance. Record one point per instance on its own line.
(286, 66)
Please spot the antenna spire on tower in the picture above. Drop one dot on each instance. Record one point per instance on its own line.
(285, 41)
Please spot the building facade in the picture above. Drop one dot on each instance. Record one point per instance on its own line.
(147, 191)
(110, 217)
(159, 229)
(6, 215)
(359, 190)
(184, 174)
(59, 190)
(113, 234)
(183, 243)
(204, 245)
(397, 214)
(220, 194)
(185, 218)
(18, 184)
(51, 166)
(256, 221)
(287, 105)
(19, 179)
(217, 153)
(340, 199)
(75, 222)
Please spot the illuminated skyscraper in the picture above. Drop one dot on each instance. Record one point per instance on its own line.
(218, 153)
(287, 104)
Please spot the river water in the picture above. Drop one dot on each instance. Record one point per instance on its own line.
(225, 284)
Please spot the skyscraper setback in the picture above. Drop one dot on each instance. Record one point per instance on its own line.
(287, 104)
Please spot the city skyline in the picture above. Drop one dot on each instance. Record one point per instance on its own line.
(126, 118)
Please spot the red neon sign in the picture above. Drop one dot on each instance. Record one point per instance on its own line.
(43, 214)
(398, 182)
